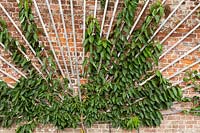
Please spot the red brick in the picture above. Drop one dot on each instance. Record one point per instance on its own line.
(170, 123)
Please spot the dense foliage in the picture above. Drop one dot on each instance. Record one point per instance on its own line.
(112, 94)
(116, 83)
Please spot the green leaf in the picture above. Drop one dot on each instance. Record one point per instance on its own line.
(85, 42)
(148, 20)
(159, 46)
(103, 54)
(104, 43)
(158, 73)
(180, 92)
(29, 28)
(22, 19)
(171, 93)
(90, 29)
(35, 37)
(161, 11)
(157, 18)
(26, 5)
(99, 49)
(133, 122)
(91, 39)
(146, 34)
(174, 91)
(154, 12)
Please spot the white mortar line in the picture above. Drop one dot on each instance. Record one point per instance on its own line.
(187, 87)
(75, 48)
(19, 31)
(185, 68)
(25, 57)
(95, 8)
(129, 33)
(138, 18)
(9, 85)
(173, 113)
(57, 38)
(172, 63)
(1, 58)
(84, 18)
(167, 37)
(66, 37)
(4, 48)
(177, 43)
(112, 19)
(179, 82)
(163, 1)
(44, 48)
(163, 23)
(22, 50)
(180, 23)
(70, 81)
(104, 17)
(47, 35)
(102, 24)
(7, 74)
(178, 59)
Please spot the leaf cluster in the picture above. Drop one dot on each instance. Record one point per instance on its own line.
(123, 102)
(11, 45)
(28, 25)
(192, 78)
(31, 32)
(113, 93)
(34, 101)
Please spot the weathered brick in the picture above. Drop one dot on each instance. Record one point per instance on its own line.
(175, 123)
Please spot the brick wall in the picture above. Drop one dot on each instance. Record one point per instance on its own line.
(175, 123)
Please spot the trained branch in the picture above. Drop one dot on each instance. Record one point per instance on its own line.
(104, 16)
(185, 68)
(10, 76)
(22, 37)
(182, 21)
(172, 63)
(58, 42)
(84, 18)
(48, 38)
(75, 48)
(95, 8)
(138, 18)
(177, 43)
(1, 58)
(19, 31)
(9, 85)
(112, 19)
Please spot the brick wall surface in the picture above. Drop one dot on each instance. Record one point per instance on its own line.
(175, 123)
